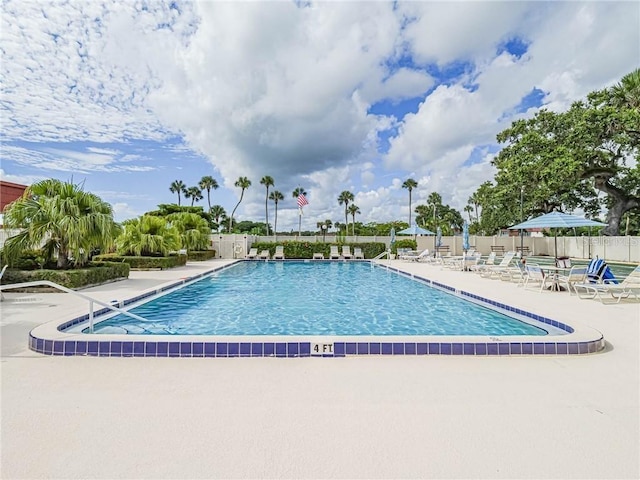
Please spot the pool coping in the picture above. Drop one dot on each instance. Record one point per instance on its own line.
(52, 339)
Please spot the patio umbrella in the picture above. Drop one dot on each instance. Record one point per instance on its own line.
(415, 230)
(393, 238)
(465, 236)
(557, 220)
(439, 237)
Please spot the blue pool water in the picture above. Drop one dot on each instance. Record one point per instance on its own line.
(313, 298)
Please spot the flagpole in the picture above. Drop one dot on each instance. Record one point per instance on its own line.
(300, 222)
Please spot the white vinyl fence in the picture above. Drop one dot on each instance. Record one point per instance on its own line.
(621, 249)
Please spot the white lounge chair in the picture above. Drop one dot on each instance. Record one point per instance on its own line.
(264, 255)
(414, 255)
(253, 253)
(346, 252)
(318, 256)
(609, 288)
(494, 270)
(279, 253)
(334, 254)
(357, 253)
(483, 265)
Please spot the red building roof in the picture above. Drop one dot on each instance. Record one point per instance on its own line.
(9, 192)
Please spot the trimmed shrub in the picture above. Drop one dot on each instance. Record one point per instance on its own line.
(95, 273)
(303, 250)
(404, 243)
(145, 263)
(201, 255)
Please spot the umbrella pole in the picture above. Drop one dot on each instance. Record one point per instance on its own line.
(555, 241)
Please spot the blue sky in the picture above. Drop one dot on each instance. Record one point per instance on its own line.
(130, 96)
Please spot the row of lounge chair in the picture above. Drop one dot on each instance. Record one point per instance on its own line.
(594, 280)
(334, 254)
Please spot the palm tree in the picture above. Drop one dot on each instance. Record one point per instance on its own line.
(469, 209)
(193, 230)
(147, 236)
(178, 187)
(627, 92)
(59, 217)
(267, 181)
(218, 212)
(194, 193)
(243, 183)
(474, 200)
(207, 183)
(410, 184)
(345, 197)
(276, 196)
(296, 193)
(353, 210)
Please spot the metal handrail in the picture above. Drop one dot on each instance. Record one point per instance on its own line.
(386, 252)
(91, 300)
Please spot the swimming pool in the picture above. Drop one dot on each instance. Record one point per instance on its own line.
(307, 298)
(63, 335)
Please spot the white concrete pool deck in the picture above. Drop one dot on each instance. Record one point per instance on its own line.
(355, 417)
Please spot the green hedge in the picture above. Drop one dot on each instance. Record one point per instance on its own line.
(201, 255)
(94, 273)
(145, 263)
(404, 243)
(305, 250)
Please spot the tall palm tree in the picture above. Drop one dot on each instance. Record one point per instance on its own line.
(178, 187)
(194, 193)
(243, 183)
(267, 181)
(276, 196)
(627, 92)
(345, 197)
(218, 212)
(59, 217)
(410, 184)
(296, 193)
(208, 183)
(474, 200)
(353, 210)
(469, 209)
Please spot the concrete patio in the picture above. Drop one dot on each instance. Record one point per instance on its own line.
(355, 417)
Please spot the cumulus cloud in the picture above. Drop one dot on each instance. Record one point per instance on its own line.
(288, 90)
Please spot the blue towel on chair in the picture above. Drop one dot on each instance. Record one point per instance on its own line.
(598, 270)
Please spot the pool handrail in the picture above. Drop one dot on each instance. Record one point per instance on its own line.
(91, 300)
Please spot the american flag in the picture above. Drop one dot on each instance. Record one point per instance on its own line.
(302, 201)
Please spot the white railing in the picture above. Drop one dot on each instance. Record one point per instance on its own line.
(91, 300)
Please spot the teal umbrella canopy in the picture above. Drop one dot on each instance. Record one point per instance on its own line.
(557, 220)
(415, 230)
(465, 236)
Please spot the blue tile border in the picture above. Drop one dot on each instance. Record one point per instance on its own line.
(172, 346)
(303, 349)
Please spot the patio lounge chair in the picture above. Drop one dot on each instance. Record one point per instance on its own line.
(414, 255)
(264, 255)
(279, 253)
(611, 288)
(517, 273)
(494, 270)
(334, 254)
(318, 256)
(357, 253)
(483, 265)
(253, 253)
(346, 252)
